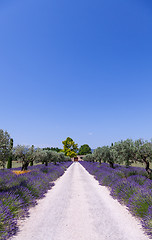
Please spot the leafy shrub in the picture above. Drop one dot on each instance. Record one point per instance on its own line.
(140, 202)
(123, 190)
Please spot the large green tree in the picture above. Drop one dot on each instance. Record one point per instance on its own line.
(40, 155)
(24, 154)
(70, 148)
(84, 150)
(125, 151)
(143, 153)
(89, 158)
(98, 152)
(4, 147)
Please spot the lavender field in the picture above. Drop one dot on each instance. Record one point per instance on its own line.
(130, 186)
(19, 192)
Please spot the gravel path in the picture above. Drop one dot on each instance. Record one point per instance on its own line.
(78, 208)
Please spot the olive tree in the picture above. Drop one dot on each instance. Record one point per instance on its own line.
(89, 158)
(144, 153)
(61, 157)
(40, 155)
(123, 152)
(24, 154)
(107, 155)
(53, 156)
(98, 152)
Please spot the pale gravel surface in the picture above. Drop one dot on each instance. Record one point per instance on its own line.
(78, 208)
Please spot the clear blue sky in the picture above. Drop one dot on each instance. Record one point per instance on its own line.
(81, 69)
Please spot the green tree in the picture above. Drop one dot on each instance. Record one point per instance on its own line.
(144, 153)
(10, 158)
(98, 152)
(70, 148)
(104, 154)
(107, 155)
(40, 155)
(56, 149)
(84, 150)
(61, 157)
(89, 158)
(24, 154)
(4, 147)
(52, 156)
(127, 151)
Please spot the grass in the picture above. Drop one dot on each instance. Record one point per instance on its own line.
(17, 164)
(138, 164)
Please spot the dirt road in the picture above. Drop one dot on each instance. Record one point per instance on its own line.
(78, 208)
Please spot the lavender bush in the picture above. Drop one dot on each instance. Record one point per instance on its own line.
(19, 192)
(130, 186)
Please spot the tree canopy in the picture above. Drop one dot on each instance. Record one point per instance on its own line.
(4, 147)
(24, 154)
(84, 149)
(56, 149)
(70, 148)
(124, 152)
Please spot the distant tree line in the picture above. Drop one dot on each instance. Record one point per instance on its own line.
(26, 154)
(124, 152)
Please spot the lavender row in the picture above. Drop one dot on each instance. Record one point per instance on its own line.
(130, 186)
(19, 192)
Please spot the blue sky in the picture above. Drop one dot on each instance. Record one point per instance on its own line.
(81, 69)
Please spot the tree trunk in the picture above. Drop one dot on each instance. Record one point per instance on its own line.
(149, 171)
(9, 163)
(24, 166)
(147, 165)
(46, 163)
(111, 164)
(31, 163)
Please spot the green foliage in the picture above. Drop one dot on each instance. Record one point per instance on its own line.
(61, 157)
(138, 206)
(4, 147)
(144, 152)
(56, 149)
(98, 154)
(52, 156)
(9, 163)
(84, 150)
(47, 156)
(25, 154)
(70, 148)
(125, 152)
(104, 154)
(89, 158)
